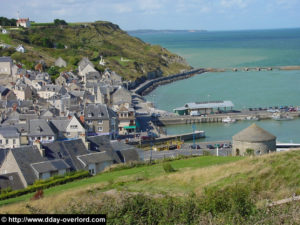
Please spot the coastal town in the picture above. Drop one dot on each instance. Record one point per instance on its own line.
(87, 119)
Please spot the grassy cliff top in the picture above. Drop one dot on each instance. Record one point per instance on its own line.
(127, 55)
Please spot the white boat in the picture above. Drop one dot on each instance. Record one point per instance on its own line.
(228, 120)
(279, 116)
(252, 118)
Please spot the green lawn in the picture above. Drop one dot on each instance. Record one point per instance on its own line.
(129, 177)
(5, 38)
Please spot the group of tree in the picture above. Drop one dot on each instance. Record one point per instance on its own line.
(7, 22)
(59, 22)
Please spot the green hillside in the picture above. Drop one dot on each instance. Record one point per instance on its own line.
(202, 190)
(73, 41)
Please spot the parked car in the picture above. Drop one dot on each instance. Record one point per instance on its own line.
(210, 146)
(195, 147)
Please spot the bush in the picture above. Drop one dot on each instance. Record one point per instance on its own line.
(249, 151)
(44, 184)
(168, 168)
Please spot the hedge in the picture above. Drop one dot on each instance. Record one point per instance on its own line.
(46, 184)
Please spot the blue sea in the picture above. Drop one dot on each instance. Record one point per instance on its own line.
(228, 49)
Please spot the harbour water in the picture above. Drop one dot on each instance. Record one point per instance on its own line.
(228, 49)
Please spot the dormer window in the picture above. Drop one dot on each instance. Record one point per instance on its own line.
(90, 114)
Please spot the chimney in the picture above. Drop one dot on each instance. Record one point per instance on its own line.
(81, 118)
(85, 142)
(37, 143)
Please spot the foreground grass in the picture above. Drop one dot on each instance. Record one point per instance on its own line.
(203, 190)
(130, 175)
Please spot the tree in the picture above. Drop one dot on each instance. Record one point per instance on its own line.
(58, 22)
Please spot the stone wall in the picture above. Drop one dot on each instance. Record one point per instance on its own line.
(258, 147)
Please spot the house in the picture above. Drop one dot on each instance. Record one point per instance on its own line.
(68, 128)
(10, 180)
(6, 64)
(118, 151)
(95, 162)
(121, 95)
(20, 48)
(47, 91)
(30, 163)
(23, 22)
(22, 91)
(9, 137)
(92, 77)
(76, 154)
(126, 118)
(7, 94)
(40, 130)
(61, 80)
(97, 119)
(60, 62)
(85, 66)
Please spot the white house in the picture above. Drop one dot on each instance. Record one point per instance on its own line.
(9, 137)
(23, 22)
(20, 48)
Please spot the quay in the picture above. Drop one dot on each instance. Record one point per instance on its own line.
(265, 68)
(165, 138)
(218, 118)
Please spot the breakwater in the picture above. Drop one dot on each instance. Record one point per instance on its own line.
(150, 85)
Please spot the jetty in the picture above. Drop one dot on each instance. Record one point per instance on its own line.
(264, 68)
(219, 118)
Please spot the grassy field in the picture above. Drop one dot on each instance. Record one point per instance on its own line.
(127, 177)
(258, 179)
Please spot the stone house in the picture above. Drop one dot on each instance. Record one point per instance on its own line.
(22, 91)
(61, 80)
(121, 95)
(31, 164)
(47, 91)
(9, 137)
(95, 162)
(68, 128)
(84, 67)
(60, 62)
(6, 64)
(40, 130)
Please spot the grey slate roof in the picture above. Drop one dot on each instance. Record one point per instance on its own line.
(126, 152)
(95, 157)
(96, 111)
(9, 132)
(39, 127)
(84, 62)
(68, 151)
(50, 166)
(102, 143)
(60, 125)
(11, 180)
(25, 156)
(254, 133)
(5, 59)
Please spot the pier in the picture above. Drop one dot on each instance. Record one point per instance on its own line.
(264, 68)
(217, 118)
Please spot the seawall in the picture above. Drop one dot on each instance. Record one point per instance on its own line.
(150, 85)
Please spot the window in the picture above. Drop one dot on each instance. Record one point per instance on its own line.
(100, 121)
(6, 141)
(237, 152)
(73, 126)
(0, 142)
(100, 128)
(68, 134)
(14, 141)
(90, 115)
(92, 171)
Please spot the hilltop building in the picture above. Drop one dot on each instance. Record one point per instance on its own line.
(23, 22)
(253, 138)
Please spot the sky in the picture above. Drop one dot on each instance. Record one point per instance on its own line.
(162, 14)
